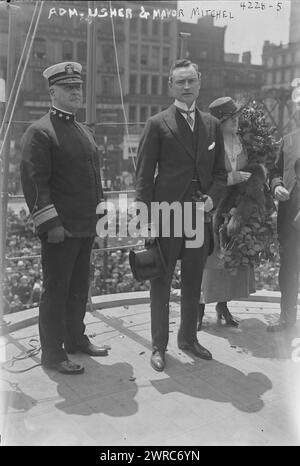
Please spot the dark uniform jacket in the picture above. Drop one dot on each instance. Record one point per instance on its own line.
(60, 174)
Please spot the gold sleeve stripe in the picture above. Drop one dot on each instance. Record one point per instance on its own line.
(45, 214)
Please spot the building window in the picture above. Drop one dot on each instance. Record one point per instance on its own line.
(133, 84)
(292, 74)
(269, 78)
(165, 85)
(166, 56)
(39, 48)
(143, 114)
(278, 77)
(297, 57)
(81, 51)
(166, 29)
(154, 110)
(107, 84)
(288, 59)
(287, 76)
(270, 62)
(67, 50)
(155, 57)
(215, 81)
(155, 28)
(3, 67)
(203, 54)
(279, 60)
(133, 53)
(144, 84)
(154, 85)
(132, 114)
(134, 25)
(38, 82)
(144, 54)
(144, 26)
(204, 81)
(237, 77)
(108, 55)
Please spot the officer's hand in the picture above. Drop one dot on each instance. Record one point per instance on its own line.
(281, 194)
(56, 235)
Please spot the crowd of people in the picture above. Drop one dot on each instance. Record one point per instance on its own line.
(22, 284)
(23, 280)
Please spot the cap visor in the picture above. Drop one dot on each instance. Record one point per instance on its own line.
(69, 81)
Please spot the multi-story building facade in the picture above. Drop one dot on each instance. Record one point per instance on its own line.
(222, 74)
(282, 67)
(133, 57)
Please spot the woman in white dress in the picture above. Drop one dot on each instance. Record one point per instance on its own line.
(218, 285)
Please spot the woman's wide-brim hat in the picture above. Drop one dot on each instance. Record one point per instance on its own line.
(224, 108)
(147, 264)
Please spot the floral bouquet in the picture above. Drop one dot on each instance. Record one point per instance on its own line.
(243, 219)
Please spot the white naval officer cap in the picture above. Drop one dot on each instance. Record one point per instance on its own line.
(68, 72)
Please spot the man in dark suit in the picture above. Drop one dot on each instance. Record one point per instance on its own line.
(186, 147)
(61, 183)
(285, 183)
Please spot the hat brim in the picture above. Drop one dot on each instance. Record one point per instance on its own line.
(230, 115)
(67, 81)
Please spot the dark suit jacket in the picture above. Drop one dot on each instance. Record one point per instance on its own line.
(287, 210)
(164, 145)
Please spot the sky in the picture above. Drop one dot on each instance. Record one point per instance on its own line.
(250, 27)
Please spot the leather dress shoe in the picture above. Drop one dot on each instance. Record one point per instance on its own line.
(197, 349)
(88, 348)
(279, 327)
(66, 367)
(157, 360)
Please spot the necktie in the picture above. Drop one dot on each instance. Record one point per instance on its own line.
(189, 118)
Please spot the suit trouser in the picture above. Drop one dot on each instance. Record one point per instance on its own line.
(192, 265)
(289, 273)
(64, 296)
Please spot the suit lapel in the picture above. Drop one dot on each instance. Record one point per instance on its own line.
(179, 129)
